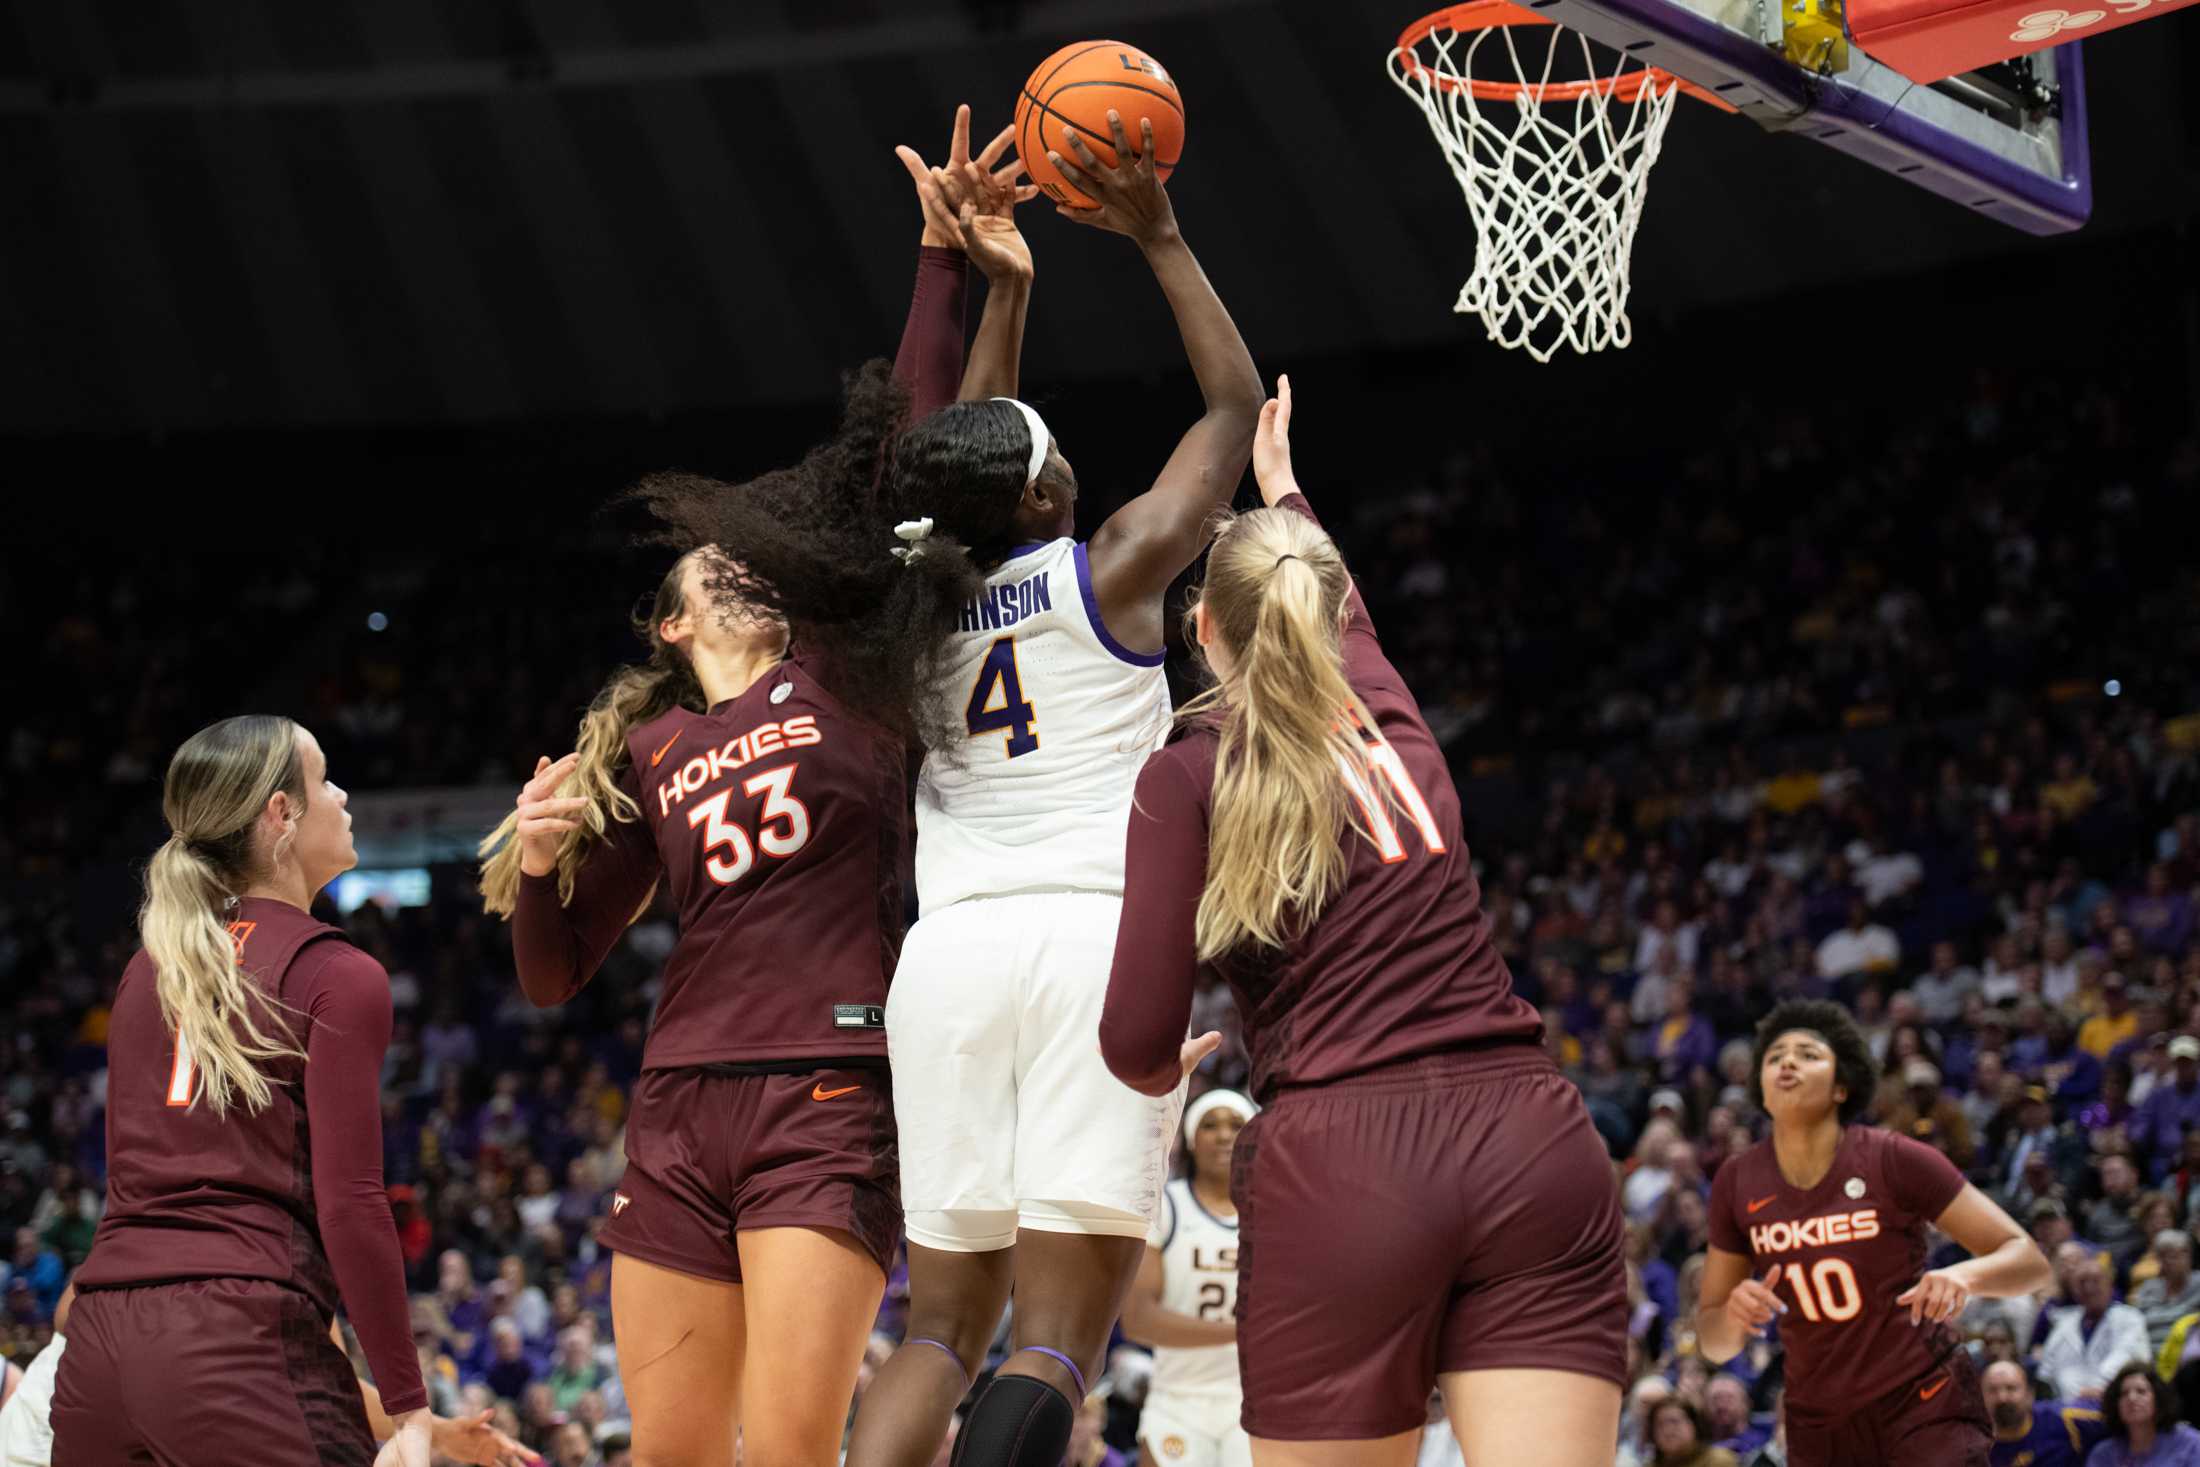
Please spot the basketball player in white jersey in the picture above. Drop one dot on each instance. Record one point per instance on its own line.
(1028, 665)
(1023, 1161)
(1184, 1301)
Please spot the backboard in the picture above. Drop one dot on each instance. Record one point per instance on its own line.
(2008, 141)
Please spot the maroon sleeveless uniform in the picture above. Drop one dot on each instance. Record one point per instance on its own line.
(1864, 1385)
(777, 821)
(201, 1326)
(1424, 1192)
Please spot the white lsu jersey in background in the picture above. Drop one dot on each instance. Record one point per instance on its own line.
(1199, 1278)
(1059, 719)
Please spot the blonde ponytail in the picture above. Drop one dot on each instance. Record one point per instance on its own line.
(217, 786)
(634, 696)
(1275, 595)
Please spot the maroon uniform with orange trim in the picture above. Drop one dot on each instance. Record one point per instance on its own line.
(1863, 1383)
(777, 821)
(228, 1241)
(1424, 1192)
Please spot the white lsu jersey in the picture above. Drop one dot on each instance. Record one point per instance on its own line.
(1199, 1278)
(1059, 719)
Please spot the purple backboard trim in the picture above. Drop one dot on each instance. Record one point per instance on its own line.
(1763, 85)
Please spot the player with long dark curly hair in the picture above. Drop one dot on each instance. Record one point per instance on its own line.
(1823, 1226)
(758, 1215)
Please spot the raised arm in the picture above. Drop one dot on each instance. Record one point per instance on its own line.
(988, 230)
(1150, 541)
(930, 360)
(557, 945)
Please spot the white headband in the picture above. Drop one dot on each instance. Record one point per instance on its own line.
(1197, 1110)
(1039, 437)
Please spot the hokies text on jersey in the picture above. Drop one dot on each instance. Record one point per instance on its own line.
(712, 765)
(1814, 1232)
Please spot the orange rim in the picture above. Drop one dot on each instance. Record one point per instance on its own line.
(1489, 15)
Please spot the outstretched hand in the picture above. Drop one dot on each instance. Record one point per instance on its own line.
(987, 225)
(1195, 1051)
(1130, 197)
(941, 192)
(1272, 447)
(545, 816)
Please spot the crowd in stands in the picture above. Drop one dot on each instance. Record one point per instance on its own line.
(1793, 724)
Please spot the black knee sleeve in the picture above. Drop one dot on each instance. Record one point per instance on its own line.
(1018, 1421)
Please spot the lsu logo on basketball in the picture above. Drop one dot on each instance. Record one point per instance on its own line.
(1133, 61)
(1814, 1232)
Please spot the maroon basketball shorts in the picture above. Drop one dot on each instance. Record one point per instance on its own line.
(1938, 1421)
(213, 1371)
(1450, 1213)
(711, 1153)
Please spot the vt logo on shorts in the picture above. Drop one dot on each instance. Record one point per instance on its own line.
(620, 1202)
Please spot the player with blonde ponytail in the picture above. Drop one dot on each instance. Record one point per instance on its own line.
(1300, 836)
(244, 1143)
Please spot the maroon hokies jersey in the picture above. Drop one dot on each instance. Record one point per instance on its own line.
(776, 820)
(293, 1193)
(1398, 964)
(1845, 1250)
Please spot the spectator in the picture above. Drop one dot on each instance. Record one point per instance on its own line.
(575, 1372)
(1943, 986)
(2161, 918)
(2088, 1344)
(1684, 1040)
(71, 1231)
(1677, 1437)
(2035, 1136)
(2112, 1223)
(1930, 1115)
(2032, 1432)
(1087, 1447)
(2114, 1024)
(1726, 1416)
(509, 1370)
(1635, 1447)
(2140, 1414)
(570, 1447)
(2172, 1110)
(2173, 1293)
(1861, 947)
(37, 1268)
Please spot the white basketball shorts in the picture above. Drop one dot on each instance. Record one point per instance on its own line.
(1194, 1431)
(1007, 1115)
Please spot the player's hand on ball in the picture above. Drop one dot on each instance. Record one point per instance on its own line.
(1752, 1306)
(545, 816)
(1132, 200)
(473, 1439)
(1272, 446)
(1195, 1051)
(1936, 1298)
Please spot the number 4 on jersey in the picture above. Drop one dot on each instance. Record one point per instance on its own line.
(997, 700)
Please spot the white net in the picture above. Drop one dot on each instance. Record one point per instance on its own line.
(1554, 172)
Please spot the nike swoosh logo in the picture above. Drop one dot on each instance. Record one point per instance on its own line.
(1932, 1390)
(819, 1092)
(658, 757)
(1764, 1202)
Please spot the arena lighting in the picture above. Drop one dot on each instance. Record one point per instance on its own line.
(2112, 687)
(376, 621)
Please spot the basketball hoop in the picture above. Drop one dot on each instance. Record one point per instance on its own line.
(1555, 187)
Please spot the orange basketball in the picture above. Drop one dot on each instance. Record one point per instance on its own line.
(1074, 88)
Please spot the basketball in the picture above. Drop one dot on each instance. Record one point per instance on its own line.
(1074, 88)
